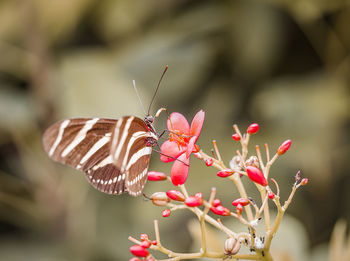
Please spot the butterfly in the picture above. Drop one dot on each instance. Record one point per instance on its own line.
(114, 154)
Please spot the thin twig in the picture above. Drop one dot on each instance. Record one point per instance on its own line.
(258, 153)
(277, 187)
(217, 150)
(267, 152)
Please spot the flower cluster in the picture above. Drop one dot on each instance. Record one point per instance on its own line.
(250, 212)
(140, 250)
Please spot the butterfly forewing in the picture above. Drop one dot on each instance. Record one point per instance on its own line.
(114, 154)
(79, 143)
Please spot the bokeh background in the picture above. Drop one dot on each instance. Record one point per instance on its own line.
(282, 63)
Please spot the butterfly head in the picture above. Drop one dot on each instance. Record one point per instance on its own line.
(149, 119)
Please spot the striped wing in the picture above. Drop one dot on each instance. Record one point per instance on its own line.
(108, 151)
(130, 151)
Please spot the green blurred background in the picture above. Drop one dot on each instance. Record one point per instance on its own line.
(282, 63)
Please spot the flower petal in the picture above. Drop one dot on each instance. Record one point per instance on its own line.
(170, 148)
(197, 123)
(190, 146)
(179, 170)
(178, 122)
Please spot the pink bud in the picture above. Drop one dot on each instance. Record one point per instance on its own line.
(240, 201)
(209, 162)
(284, 147)
(236, 137)
(253, 128)
(256, 175)
(160, 199)
(193, 201)
(138, 250)
(156, 176)
(225, 173)
(166, 212)
(220, 210)
(175, 195)
(216, 202)
(271, 195)
(304, 181)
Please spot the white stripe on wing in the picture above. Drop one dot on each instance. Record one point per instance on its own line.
(123, 138)
(116, 133)
(98, 145)
(63, 125)
(134, 137)
(80, 136)
(136, 156)
(106, 161)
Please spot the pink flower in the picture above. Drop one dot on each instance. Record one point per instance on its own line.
(181, 143)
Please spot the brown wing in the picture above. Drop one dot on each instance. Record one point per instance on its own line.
(131, 152)
(110, 152)
(79, 143)
(85, 144)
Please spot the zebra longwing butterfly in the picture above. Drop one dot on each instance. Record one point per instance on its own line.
(114, 154)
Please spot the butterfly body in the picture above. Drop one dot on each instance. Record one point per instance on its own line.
(113, 153)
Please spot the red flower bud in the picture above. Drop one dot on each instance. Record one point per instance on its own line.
(253, 128)
(159, 198)
(209, 162)
(256, 175)
(193, 201)
(220, 210)
(284, 147)
(216, 202)
(156, 176)
(166, 212)
(144, 237)
(138, 250)
(304, 181)
(145, 244)
(240, 201)
(239, 209)
(225, 173)
(175, 195)
(236, 137)
(154, 242)
(271, 195)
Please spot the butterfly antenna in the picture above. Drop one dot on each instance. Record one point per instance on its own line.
(154, 95)
(138, 95)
